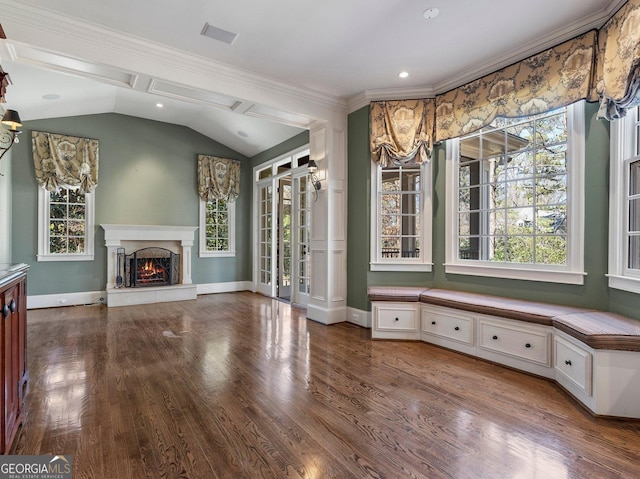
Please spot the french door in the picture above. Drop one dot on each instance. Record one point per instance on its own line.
(266, 246)
(283, 219)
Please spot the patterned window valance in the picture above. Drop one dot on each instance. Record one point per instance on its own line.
(551, 79)
(218, 178)
(4, 83)
(63, 161)
(402, 131)
(617, 69)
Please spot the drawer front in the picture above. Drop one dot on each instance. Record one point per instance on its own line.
(521, 343)
(397, 318)
(439, 323)
(574, 363)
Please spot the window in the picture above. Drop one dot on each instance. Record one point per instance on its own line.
(516, 191)
(401, 226)
(624, 203)
(65, 225)
(217, 228)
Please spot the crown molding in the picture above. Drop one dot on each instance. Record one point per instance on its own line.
(88, 40)
(367, 96)
(568, 32)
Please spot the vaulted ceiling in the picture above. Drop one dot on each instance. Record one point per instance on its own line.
(292, 62)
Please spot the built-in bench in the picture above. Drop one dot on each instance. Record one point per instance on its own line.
(594, 355)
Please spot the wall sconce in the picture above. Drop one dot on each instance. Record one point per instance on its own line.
(10, 123)
(314, 179)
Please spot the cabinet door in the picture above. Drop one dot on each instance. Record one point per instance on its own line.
(10, 314)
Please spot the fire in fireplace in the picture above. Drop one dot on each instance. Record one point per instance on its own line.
(148, 267)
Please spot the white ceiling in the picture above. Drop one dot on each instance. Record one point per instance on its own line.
(293, 62)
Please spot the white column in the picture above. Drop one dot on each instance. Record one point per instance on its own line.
(328, 302)
(186, 261)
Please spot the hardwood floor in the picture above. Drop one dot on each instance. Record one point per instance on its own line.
(242, 386)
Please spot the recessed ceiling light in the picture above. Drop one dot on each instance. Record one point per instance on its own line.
(50, 96)
(159, 105)
(403, 74)
(243, 134)
(430, 13)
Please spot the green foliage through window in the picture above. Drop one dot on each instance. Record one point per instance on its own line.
(217, 226)
(67, 222)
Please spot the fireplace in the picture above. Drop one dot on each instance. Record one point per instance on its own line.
(148, 267)
(148, 264)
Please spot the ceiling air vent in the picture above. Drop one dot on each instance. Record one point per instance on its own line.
(218, 34)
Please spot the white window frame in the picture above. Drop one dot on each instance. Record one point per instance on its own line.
(424, 262)
(622, 154)
(44, 254)
(571, 273)
(231, 212)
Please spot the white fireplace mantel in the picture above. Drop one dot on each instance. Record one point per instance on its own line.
(119, 236)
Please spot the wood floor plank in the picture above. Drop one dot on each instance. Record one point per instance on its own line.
(242, 386)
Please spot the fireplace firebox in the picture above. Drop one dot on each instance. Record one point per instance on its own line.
(148, 267)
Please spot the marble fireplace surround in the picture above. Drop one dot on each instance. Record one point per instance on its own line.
(178, 239)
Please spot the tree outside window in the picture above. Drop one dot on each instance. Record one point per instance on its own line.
(512, 191)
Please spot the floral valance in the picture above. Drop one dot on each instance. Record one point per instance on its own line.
(601, 65)
(402, 131)
(617, 70)
(556, 77)
(218, 178)
(63, 161)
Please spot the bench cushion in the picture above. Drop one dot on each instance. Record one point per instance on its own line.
(601, 330)
(530, 311)
(395, 293)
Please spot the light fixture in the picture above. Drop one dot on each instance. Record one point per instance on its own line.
(313, 168)
(403, 74)
(10, 123)
(159, 105)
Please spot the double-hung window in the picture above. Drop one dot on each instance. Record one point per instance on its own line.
(217, 228)
(515, 198)
(65, 225)
(401, 212)
(624, 203)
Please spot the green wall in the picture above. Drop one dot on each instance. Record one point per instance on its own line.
(593, 294)
(283, 148)
(147, 175)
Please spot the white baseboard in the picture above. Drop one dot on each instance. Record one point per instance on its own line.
(66, 299)
(100, 297)
(359, 317)
(324, 315)
(230, 287)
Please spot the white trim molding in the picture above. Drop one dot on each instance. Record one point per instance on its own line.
(85, 298)
(622, 154)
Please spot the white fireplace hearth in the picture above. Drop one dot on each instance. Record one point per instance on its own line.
(178, 239)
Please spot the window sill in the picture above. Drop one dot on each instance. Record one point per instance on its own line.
(65, 257)
(420, 267)
(217, 254)
(517, 272)
(624, 283)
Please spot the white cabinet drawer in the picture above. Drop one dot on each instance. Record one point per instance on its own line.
(443, 323)
(574, 363)
(395, 320)
(528, 343)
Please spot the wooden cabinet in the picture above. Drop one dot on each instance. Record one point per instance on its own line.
(13, 372)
